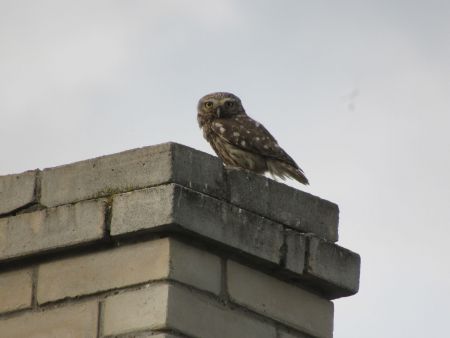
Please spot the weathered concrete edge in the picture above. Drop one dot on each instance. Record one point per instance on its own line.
(175, 163)
(106, 175)
(333, 264)
(52, 230)
(294, 208)
(246, 236)
(19, 191)
(289, 259)
(268, 198)
(175, 208)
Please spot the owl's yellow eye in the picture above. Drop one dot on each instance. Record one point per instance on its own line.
(229, 104)
(208, 104)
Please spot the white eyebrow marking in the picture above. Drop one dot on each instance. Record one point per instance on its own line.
(236, 134)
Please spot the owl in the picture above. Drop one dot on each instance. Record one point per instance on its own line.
(242, 142)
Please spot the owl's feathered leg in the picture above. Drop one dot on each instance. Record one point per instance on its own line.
(283, 170)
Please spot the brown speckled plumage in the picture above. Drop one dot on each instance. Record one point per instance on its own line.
(241, 141)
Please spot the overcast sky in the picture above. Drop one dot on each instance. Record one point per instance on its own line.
(357, 92)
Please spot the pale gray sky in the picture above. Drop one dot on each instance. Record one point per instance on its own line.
(358, 92)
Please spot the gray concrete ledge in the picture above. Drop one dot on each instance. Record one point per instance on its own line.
(333, 264)
(171, 208)
(163, 207)
(43, 230)
(17, 191)
(171, 189)
(172, 163)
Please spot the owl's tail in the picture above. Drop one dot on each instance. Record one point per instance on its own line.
(283, 170)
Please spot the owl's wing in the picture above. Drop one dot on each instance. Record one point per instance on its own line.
(245, 133)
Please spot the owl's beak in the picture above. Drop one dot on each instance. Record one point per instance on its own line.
(218, 112)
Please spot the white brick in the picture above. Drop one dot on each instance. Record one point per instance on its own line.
(279, 300)
(131, 264)
(172, 307)
(15, 290)
(136, 310)
(78, 320)
(198, 316)
(195, 267)
(104, 270)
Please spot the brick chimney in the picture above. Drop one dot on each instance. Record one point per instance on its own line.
(163, 242)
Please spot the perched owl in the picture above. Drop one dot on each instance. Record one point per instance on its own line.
(241, 141)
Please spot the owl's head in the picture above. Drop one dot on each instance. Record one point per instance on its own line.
(219, 105)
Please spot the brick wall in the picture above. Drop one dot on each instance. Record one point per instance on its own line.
(161, 242)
